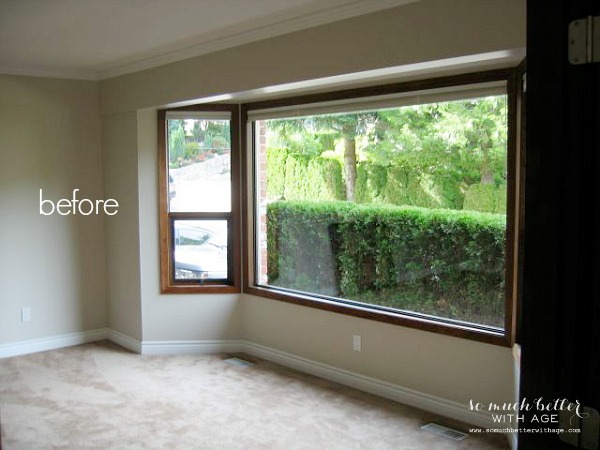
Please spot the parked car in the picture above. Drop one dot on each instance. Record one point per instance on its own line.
(200, 253)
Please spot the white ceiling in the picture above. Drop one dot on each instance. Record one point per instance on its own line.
(97, 39)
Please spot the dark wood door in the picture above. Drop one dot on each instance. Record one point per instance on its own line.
(559, 326)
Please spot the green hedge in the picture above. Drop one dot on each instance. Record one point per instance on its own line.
(440, 262)
(399, 185)
(299, 177)
(486, 198)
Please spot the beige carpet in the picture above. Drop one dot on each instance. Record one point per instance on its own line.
(100, 396)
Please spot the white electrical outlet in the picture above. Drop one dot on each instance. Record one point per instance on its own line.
(357, 343)
(25, 314)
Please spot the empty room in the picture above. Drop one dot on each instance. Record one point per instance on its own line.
(298, 224)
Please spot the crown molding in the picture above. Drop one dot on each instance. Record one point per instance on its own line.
(280, 24)
(301, 18)
(87, 75)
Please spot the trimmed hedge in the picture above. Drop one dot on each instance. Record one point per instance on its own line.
(441, 262)
(299, 177)
(486, 198)
(398, 185)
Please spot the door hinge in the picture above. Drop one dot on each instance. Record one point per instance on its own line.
(584, 40)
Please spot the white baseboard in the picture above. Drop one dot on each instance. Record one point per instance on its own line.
(374, 386)
(125, 341)
(189, 347)
(380, 388)
(52, 342)
(513, 440)
(364, 383)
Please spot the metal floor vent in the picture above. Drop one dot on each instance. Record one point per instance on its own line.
(450, 433)
(239, 362)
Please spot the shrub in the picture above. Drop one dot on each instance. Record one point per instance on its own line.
(298, 177)
(371, 179)
(302, 177)
(191, 150)
(405, 185)
(441, 262)
(486, 198)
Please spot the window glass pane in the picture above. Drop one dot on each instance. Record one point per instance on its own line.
(199, 152)
(401, 208)
(200, 249)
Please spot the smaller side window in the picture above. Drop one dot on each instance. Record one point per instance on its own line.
(199, 202)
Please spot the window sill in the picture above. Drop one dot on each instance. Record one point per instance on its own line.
(460, 330)
(196, 289)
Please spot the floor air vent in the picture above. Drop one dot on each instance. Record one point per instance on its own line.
(239, 362)
(444, 431)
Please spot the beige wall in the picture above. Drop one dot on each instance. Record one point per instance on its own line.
(424, 31)
(51, 136)
(447, 367)
(119, 141)
(186, 317)
(49, 139)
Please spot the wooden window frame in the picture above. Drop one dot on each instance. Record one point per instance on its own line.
(166, 218)
(440, 325)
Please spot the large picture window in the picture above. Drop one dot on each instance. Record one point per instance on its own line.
(199, 169)
(397, 207)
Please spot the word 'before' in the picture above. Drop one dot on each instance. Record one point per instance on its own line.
(84, 206)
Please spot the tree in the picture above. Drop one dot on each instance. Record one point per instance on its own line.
(486, 132)
(176, 140)
(465, 139)
(198, 132)
(204, 131)
(460, 142)
(319, 133)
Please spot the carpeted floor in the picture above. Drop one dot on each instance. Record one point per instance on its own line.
(100, 396)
